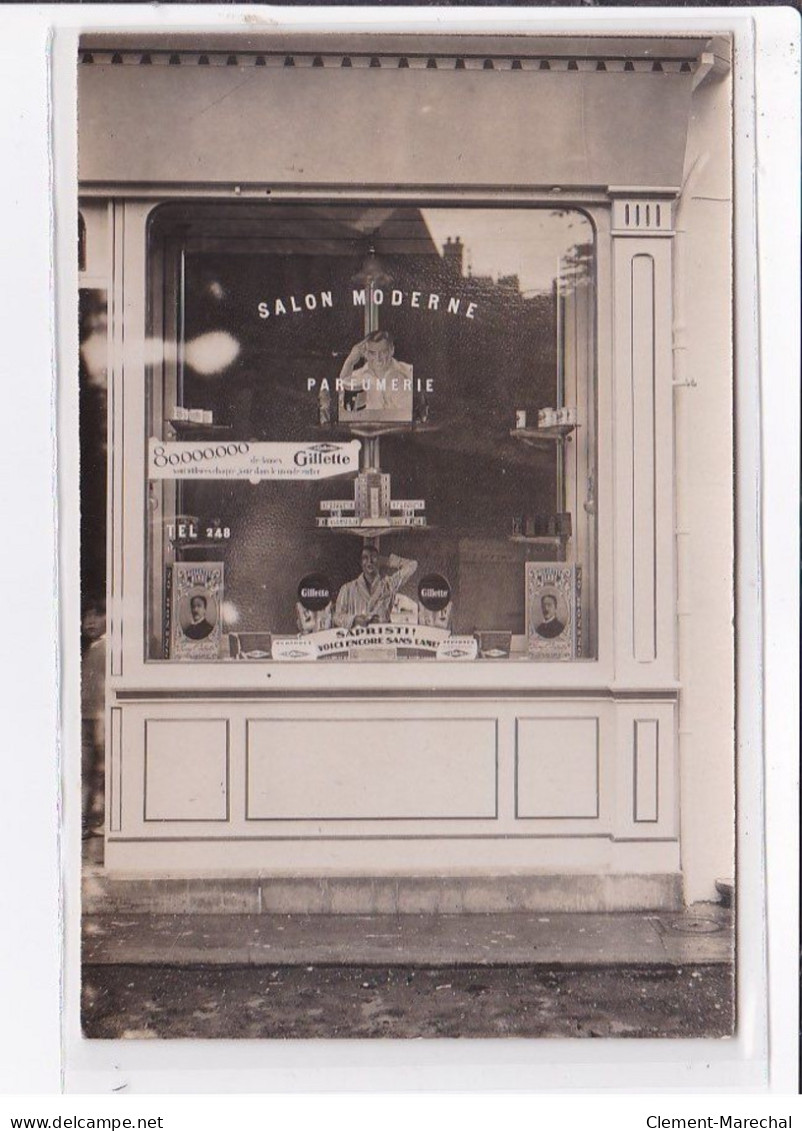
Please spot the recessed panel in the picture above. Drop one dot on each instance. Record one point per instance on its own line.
(378, 769)
(557, 768)
(644, 579)
(186, 770)
(646, 770)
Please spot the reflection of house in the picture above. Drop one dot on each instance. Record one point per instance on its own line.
(453, 253)
(604, 783)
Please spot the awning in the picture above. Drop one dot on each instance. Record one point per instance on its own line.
(406, 112)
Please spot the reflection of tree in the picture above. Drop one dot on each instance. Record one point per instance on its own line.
(577, 266)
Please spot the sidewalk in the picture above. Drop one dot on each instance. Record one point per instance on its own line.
(409, 976)
(700, 935)
(235, 972)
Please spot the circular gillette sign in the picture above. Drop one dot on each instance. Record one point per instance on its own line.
(314, 592)
(434, 592)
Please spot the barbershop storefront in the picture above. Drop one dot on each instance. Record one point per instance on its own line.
(420, 548)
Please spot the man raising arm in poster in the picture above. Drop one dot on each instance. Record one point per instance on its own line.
(379, 369)
(368, 598)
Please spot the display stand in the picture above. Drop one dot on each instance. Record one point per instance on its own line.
(372, 505)
(369, 516)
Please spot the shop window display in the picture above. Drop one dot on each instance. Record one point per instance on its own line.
(371, 433)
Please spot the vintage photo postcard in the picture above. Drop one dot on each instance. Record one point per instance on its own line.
(407, 563)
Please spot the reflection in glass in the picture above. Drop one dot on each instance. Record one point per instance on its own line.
(487, 312)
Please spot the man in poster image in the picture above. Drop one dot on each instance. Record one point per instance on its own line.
(368, 599)
(376, 383)
(551, 625)
(200, 626)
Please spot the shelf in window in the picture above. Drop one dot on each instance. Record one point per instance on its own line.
(555, 540)
(544, 437)
(194, 431)
(370, 428)
(369, 531)
(201, 544)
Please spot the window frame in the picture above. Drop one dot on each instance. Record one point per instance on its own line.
(133, 291)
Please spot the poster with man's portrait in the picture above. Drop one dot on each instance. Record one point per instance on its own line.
(194, 596)
(553, 610)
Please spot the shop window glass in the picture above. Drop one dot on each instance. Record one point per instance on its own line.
(372, 433)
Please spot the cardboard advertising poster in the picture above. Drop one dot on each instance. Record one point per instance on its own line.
(553, 611)
(194, 594)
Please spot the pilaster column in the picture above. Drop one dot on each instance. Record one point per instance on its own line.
(642, 230)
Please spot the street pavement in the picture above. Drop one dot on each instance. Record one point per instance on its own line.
(656, 974)
(340, 1002)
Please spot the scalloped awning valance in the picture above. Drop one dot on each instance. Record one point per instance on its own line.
(514, 112)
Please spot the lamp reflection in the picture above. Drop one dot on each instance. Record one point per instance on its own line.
(230, 614)
(209, 354)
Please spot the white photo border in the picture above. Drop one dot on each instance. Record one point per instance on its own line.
(200, 1066)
